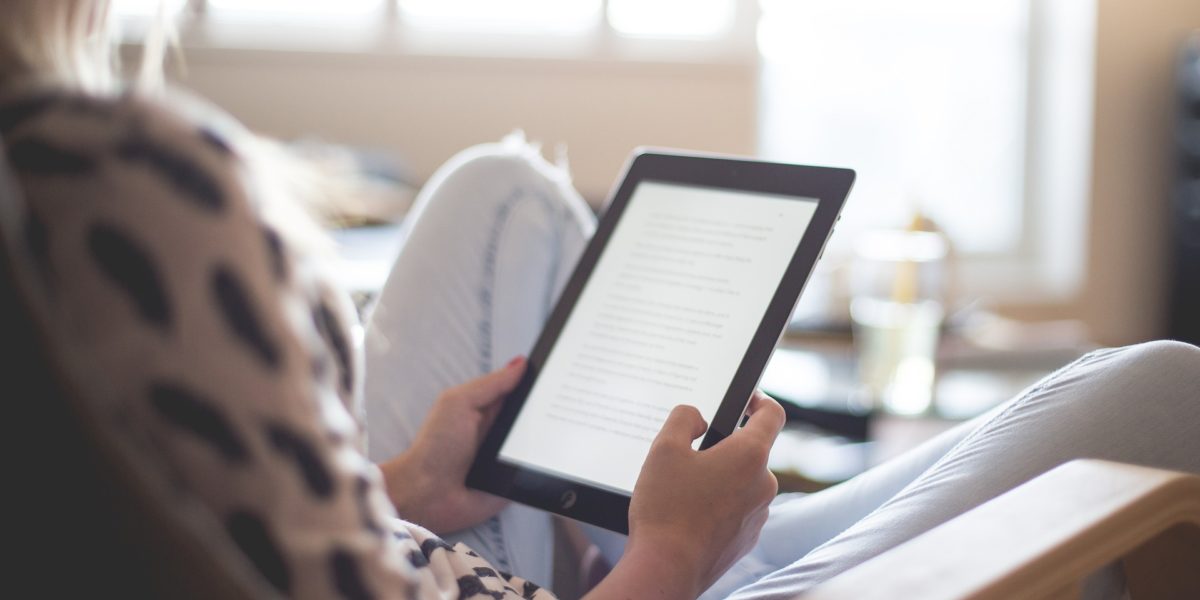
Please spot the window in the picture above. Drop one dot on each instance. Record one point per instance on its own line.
(974, 113)
(674, 31)
(871, 84)
(989, 139)
(671, 18)
(526, 16)
(690, 19)
(145, 8)
(293, 9)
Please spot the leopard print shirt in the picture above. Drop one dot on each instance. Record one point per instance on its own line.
(200, 334)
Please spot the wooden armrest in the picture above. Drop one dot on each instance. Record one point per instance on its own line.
(1042, 538)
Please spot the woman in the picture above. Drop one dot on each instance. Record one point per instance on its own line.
(182, 294)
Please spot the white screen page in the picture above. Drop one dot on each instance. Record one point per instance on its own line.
(665, 319)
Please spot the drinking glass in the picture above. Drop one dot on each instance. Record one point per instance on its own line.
(898, 281)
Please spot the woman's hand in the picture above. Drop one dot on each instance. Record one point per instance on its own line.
(696, 512)
(427, 483)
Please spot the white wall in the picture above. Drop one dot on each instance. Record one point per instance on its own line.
(426, 108)
(1137, 42)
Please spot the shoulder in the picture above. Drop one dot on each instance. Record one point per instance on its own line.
(65, 139)
(95, 117)
(121, 203)
(125, 178)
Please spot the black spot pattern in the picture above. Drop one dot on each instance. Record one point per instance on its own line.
(418, 560)
(275, 253)
(431, 544)
(241, 317)
(362, 491)
(39, 157)
(335, 437)
(89, 106)
(129, 266)
(257, 543)
(15, 113)
(334, 336)
(37, 241)
(198, 416)
(125, 261)
(318, 365)
(346, 576)
(308, 463)
(193, 183)
(470, 586)
(215, 141)
(529, 590)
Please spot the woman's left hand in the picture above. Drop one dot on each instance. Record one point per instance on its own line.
(427, 483)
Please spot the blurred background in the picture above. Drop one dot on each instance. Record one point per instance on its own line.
(1028, 169)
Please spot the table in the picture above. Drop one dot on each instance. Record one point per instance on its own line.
(832, 436)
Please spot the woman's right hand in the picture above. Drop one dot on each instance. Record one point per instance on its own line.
(694, 513)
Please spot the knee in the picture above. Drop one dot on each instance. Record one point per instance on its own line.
(1161, 358)
(494, 172)
(1153, 372)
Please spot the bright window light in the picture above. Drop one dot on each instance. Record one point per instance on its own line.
(517, 16)
(926, 99)
(145, 8)
(296, 8)
(671, 18)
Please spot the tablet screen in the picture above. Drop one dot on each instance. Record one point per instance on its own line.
(665, 319)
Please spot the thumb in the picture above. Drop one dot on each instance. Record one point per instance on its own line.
(485, 390)
(682, 426)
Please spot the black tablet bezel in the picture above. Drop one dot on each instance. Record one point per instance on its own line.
(602, 507)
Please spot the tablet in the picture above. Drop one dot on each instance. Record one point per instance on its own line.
(679, 298)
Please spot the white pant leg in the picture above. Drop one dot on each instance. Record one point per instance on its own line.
(492, 238)
(798, 523)
(1139, 404)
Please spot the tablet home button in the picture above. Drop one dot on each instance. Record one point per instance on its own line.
(568, 499)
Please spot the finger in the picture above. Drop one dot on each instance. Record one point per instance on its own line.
(759, 521)
(489, 412)
(487, 502)
(757, 399)
(770, 487)
(766, 417)
(683, 425)
(476, 506)
(490, 388)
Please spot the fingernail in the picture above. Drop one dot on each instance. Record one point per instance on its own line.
(515, 361)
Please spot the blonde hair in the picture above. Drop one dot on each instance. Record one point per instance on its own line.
(71, 42)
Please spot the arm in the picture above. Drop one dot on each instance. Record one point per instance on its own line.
(685, 531)
(427, 483)
(648, 573)
(694, 513)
